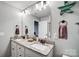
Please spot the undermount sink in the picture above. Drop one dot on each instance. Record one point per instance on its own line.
(39, 46)
(23, 41)
(20, 40)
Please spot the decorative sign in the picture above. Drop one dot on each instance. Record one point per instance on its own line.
(67, 7)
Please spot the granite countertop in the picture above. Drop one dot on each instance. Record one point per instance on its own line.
(35, 45)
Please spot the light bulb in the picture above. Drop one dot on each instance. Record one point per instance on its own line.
(47, 2)
(37, 7)
(44, 7)
(27, 12)
(21, 13)
(42, 4)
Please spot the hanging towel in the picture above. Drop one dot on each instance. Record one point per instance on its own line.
(17, 30)
(63, 30)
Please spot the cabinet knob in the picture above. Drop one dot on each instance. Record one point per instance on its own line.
(19, 55)
(12, 48)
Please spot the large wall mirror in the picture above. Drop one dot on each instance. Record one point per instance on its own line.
(38, 20)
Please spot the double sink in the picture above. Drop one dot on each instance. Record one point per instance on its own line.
(34, 44)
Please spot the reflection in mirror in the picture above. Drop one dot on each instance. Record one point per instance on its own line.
(36, 24)
(38, 20)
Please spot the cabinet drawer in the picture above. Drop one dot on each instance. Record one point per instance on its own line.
(20, 55)
(13, 49)
(20, 51)
(20, 48)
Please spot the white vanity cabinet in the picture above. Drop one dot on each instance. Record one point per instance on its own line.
(17, 50)
(20, 50)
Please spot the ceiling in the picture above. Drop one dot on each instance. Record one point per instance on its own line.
(25, 4)
(20, 4)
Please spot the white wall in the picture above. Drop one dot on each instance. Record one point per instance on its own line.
(8, 19)
(73, 29)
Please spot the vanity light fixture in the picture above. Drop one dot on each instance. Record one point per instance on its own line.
(45, 4)
(21, 13)
(24, 12)
(27, 12)
(39, 6)
(42, 5)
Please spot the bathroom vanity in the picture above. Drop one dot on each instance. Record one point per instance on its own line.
(23, 48)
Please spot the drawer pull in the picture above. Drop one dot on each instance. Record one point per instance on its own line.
(12, 48)
(19, 55)
(19, 48)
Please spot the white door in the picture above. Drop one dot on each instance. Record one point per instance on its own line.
(43, 28)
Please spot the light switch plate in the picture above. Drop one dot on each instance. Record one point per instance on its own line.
(2, 33)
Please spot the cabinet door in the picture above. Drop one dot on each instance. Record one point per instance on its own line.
(20, 51)
(31, 53)
(13, 49)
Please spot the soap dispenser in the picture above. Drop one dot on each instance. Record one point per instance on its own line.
(17, 32)
(26, 32)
